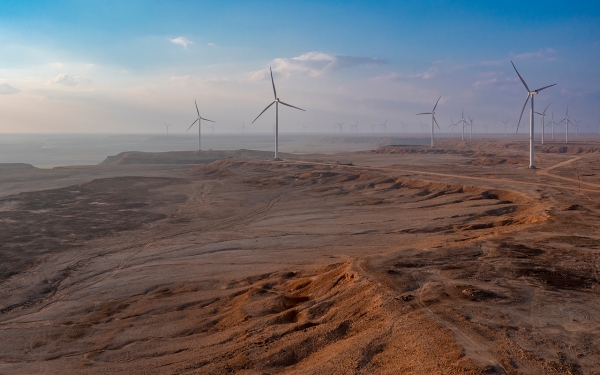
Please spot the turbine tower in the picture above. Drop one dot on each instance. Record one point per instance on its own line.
(530, 94)
(243, 128)
(543, 114)
(452, 125)
(167, 125)
(432, 113)
(553, 123)
(199, 120)
(464, 123)
(340, 125)
(276, 102)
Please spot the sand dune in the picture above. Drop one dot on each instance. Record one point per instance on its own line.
(459, 260)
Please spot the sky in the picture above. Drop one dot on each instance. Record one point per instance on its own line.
(104, 66)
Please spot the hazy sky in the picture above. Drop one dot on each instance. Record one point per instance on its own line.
(130, 66)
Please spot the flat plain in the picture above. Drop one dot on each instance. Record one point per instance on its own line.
(400, 259)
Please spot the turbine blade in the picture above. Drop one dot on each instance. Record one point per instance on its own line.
(545, 87)
(523, 110)
(197, 108)
(522, 80)
(205, 119)
(538, 113)
(434, 120)
(436, 103)
(193, 124)
(424, 113)
(263, 111)
(273, 82)
(289, 105)
(546, 108)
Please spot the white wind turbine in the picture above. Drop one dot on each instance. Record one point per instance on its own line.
(553, 123)
(471, 127)
(384, 126)
(355, 127)
(198, 120)
(566, 120)
(276, 102)
(212, 128)
(422, 127)
(464, 123)
(530, 94)
(243, 128)
(404, 126)
(543, 114)
(167, 125)
(341, 125)
(452, 125)
(505, 125)
(432, 113)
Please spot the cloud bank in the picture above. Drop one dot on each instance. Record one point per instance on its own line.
(6, 89)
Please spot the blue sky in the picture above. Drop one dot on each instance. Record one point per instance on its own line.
(112, 66)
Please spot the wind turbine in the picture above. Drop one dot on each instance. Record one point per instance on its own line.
(276, 102)
(577, 126)
(199, 120)
(566, 120)
(212, 128)
(530, 94)
(471, 127)
(373, 128)
(167, 125)
(464, 123)
(340, 125)
(243, 127)
(432, 113)
(304, 128)
(452, 125)
(355, 127)
(505, 123)
(543, 114)
(334, 126)
(384, 126)
(404, 126)
(423, 126)
(553, 123)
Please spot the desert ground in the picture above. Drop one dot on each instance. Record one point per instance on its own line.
(390, 260)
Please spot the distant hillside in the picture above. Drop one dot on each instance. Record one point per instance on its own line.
(187, 157)
(15, 166)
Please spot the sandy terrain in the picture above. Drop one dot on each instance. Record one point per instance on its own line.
(397, 260)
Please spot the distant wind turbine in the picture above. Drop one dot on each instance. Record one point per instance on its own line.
(243, 128)
(334, 127)
(464, 123)
(553, 123)
(373, 128)
(355, 127)
(471, 127)
(167, 125)
(422, 127)
(566, 120)
(198, 120)
(340, 125)
(530, 94)
(276, 102)
(384, 126)
(452, 125)
(212, 128)
(404, 126)
(433, 121)
(304, 128)
(505, 124)
(543, 114)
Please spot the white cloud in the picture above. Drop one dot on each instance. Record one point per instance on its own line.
(211, 44)
(547, 54)
(65, 79)
(313, 64)
(485, 82)
(6, 89)
(426, 75)
(181, 41)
